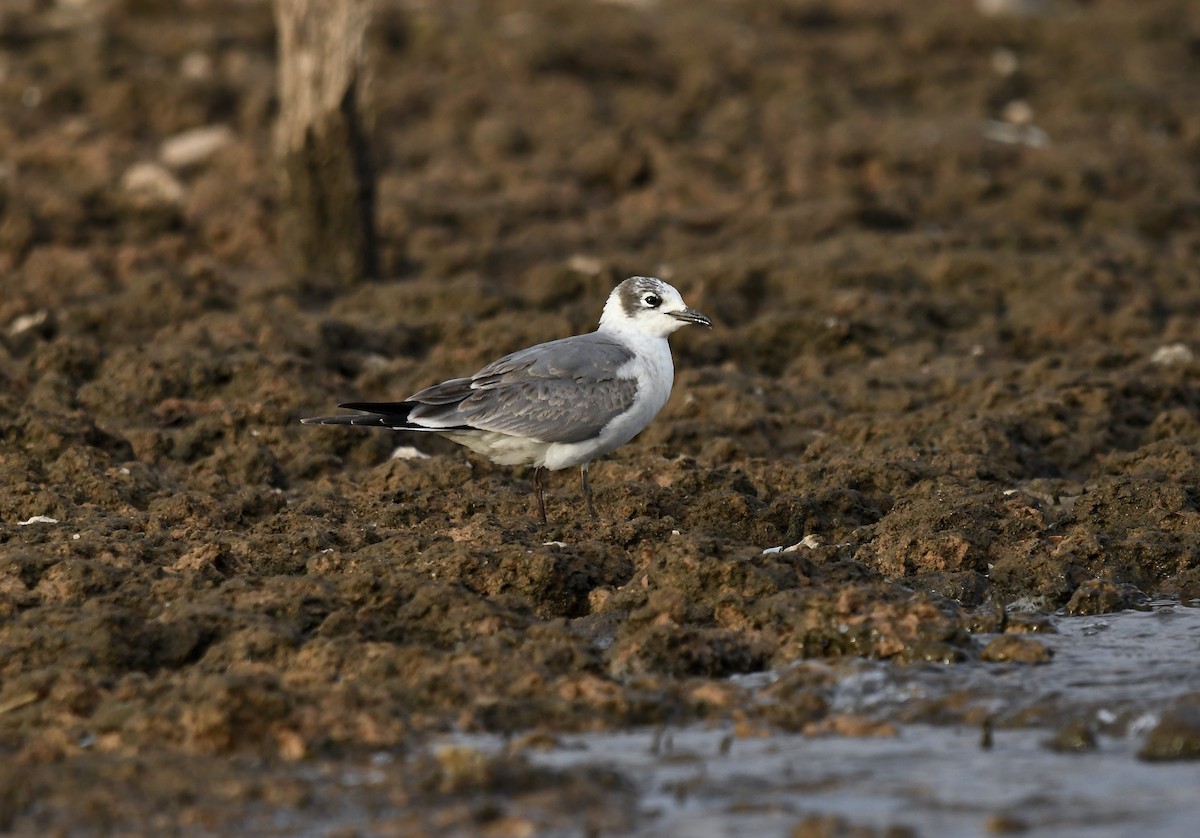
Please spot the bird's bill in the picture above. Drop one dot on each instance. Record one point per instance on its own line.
(690, 315)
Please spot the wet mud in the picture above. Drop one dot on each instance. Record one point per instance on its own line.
(952, 258)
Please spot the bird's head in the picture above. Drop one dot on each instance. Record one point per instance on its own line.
(647, 305)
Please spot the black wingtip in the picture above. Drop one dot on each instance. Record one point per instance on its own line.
(393, 415)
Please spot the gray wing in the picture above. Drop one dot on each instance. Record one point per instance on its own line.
(562, 391)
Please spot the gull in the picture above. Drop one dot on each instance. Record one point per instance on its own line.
(557, 404)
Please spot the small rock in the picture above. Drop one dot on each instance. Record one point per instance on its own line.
(1015, 649)
(25, 322)
(585, 264)
(535, 740)
(196, 66)
(1176, 354)
(208, 560)
(1175, 737)
(1185, 585)
(989, 618)
(851, 724)
(1013, 134)
(194, 147)
(1074, 737)
(598, 598)
(1018, 112)
(1005, 62)
(463, 768)
(408, 452)
(37, 519)
(1027, 622)
(1100, 596)
(151, 183)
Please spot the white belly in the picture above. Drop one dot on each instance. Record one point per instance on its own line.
(503, 449)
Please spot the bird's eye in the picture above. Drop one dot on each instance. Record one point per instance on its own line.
(652, 300)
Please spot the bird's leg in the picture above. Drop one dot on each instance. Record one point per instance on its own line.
(587, 492)
(537, 490)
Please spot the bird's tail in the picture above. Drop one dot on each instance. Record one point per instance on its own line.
(391, 415)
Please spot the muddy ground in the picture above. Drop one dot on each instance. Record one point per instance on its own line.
(954, 264)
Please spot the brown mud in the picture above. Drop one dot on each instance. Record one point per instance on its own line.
(954, 263)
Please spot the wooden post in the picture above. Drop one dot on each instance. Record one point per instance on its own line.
(327, 223)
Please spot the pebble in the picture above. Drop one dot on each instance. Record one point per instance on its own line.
(1015, 648)
(37, 519)
(153, 183)
(194, 147)
(1100, 596)
(1174, 354)
(1073, 737)
(1175, 737)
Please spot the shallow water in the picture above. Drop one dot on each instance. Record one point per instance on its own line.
(1116, 672)
(938, 781)
(1113, 670)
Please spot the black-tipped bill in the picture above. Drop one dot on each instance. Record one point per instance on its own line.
(690, 315)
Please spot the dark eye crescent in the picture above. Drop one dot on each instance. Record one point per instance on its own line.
(652, 300)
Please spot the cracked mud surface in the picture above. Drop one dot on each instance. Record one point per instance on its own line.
(959, 366)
